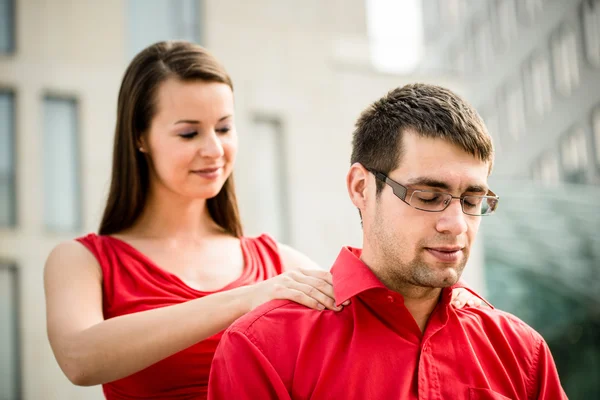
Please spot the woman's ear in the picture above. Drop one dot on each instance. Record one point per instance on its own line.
(141, 145)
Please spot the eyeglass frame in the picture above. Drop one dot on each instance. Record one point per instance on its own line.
(403, 192)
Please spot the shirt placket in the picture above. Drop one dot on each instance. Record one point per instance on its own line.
(428, 377)
(429, 387)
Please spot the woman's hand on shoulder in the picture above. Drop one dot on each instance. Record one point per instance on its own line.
(302, 282)
(461, 297)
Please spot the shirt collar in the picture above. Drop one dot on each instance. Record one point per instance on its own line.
(351, 277)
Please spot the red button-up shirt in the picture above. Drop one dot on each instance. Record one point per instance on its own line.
(374, 349)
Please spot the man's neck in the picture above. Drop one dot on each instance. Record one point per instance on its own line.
(419, 300)
(421, 305)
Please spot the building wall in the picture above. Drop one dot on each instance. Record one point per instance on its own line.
(60, 49)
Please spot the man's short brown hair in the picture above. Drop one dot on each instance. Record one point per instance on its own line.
(429, 111)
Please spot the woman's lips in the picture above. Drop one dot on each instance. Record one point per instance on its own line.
(208, 173)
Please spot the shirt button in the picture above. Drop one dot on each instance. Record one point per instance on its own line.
(390, 299)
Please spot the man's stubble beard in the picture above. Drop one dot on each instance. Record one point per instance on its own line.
(398, 275)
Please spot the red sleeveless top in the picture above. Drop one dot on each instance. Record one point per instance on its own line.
(132, 282)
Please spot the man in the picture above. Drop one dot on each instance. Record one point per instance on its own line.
(420, 162)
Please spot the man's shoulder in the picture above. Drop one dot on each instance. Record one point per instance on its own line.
(498, 322)
(273, 315)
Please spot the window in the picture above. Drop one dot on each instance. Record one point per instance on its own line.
(458, 58)
(507, 21)
(431, 19)
(10, 376)
(150, 21)
(271, 178)
(596, 129)
(547, 170)
(7, 26)
(453, 11)
(590, 12)
(574, 155)
(492, 122)
(530, 10)
(538, 76)
(62, 211)
(483, 46)
(564, 58)
(515, 111)
(7, 160)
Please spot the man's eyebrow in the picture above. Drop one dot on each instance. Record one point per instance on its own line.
(431, 182)
(436, 183)
(195, 121)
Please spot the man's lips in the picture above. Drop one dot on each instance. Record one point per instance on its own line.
(446, 253)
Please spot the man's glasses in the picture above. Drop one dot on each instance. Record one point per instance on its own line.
(430, 201)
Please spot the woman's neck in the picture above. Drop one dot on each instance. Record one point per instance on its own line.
(175, 218)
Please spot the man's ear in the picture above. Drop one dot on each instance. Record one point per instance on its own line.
(357, 185)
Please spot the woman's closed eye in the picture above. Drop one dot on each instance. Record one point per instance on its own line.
(188, 135)
(192, 134)
(224, 130)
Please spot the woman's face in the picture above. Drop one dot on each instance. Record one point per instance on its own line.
(192, 142)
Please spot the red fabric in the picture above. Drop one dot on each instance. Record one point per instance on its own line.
(132, 283)
(373, 349)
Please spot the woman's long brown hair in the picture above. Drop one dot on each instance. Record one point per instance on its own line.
(135, 110)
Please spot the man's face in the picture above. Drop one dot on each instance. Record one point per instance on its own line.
(419, 248)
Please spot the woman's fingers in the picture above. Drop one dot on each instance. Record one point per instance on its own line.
(316, 294)
(311, 285)
(312, 288)
(462, 297)
(325, 275)
(298, 296)
(318, 283)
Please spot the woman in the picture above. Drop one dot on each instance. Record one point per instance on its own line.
(139, 308)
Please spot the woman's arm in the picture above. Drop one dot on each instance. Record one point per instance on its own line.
(91, 350)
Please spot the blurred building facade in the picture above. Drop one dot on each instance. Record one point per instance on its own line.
(532, 69)
(301, 73)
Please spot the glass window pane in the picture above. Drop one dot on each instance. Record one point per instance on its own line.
(515, 111)
(150, 21)
(591, 30)
(596, 128)
(564, 56)
(7, 26)
(7, 160)
(574, 156)
(9, 345)
(492, 122)
(548, 168)
(507, 21)
(530, 10)
(539, 74)
(61, 165)
(483, 45)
